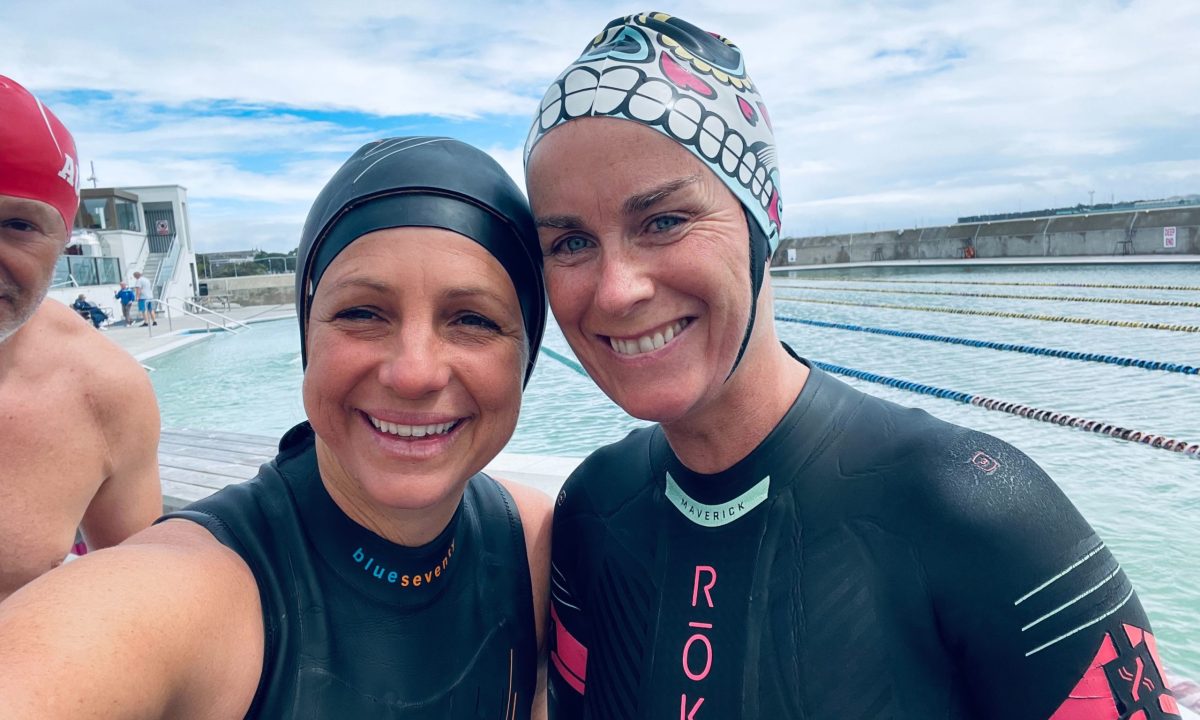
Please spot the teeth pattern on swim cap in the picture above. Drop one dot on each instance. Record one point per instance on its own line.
(37, 153)
(686, 83)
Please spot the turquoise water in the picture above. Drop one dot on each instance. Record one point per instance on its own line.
(1144, 502)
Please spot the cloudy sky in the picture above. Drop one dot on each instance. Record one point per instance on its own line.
(887, 114)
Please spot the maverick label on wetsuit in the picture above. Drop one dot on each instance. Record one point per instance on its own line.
(717, 514)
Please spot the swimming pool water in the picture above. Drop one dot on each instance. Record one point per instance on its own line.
(1144, 502)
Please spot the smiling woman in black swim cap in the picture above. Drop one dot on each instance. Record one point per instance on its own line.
(371, 569)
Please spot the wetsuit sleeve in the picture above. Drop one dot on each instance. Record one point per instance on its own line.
(1038, 613)
(569, 623)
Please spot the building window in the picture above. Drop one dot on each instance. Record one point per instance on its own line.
(108, 212)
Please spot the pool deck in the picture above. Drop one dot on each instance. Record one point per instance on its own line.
(180, 330)
(196, 463)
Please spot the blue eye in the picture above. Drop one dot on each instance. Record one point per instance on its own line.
(664, 223)
(572, 244)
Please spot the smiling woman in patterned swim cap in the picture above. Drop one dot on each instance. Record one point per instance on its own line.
(779, 544)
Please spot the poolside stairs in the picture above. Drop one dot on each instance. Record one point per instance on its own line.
(150, 269)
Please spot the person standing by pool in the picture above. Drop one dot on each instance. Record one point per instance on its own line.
(145, 298)
(126, 297)
(78, 419)
(371, 569)
(779, 545)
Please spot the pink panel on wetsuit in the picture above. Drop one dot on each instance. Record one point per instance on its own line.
(1134, 634)
(569, 655)
(1152, 643)
(1091, 698)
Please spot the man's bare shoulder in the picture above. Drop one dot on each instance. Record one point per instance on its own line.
(61, 339)
(55, 332)
(60, 352)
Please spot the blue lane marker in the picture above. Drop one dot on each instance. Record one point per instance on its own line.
(1010, 347)
(1057, 418)
(565, 361)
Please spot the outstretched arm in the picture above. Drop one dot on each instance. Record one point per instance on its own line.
(172, 629)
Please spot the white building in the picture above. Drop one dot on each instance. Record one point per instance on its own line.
(122, 230)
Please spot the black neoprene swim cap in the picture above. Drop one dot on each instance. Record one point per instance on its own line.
(432, 182)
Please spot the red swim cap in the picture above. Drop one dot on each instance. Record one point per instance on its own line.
(37, 153)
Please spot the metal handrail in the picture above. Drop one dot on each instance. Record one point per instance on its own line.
(197, 309)
(168, 263)
(210, 324)
(69, 282)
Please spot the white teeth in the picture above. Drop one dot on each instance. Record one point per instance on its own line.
(412, 430)
(647, 343)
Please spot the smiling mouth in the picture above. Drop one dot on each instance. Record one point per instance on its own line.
(649, 342)
(413, 431)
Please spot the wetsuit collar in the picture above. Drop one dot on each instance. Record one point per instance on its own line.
(405, 577)
(718, 499)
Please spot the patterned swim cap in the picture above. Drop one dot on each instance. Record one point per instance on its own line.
(688, 84)
(37, 153)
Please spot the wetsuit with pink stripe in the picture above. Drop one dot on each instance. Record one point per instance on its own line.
(865, 561)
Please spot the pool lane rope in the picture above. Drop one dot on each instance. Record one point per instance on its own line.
(565, 361)
(999, 296)
(1103, 286)
(999, 313)
(1025, 411)
(1009, 347)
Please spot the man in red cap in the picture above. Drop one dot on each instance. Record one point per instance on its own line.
(78, 419)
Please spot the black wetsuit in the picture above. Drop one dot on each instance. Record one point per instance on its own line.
(865, 561)
(357, 627)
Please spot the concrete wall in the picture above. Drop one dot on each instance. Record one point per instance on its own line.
(1071, 235)
(255, 289)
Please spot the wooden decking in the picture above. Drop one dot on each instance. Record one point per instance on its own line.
(196, 463)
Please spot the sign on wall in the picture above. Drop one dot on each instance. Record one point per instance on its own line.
(791, 255)
(162, 227)
(1168, 237)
